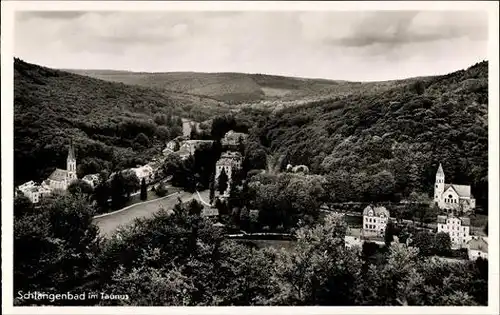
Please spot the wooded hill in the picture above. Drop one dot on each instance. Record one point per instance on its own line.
(113, 125)
(393, 139)
(390, 136)
(239, 88)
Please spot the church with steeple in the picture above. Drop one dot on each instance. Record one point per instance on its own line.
(60, 178)
(452, 197)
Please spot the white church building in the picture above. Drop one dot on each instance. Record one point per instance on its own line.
(59, 180)
(452, 197)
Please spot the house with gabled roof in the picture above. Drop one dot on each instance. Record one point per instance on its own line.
(458, 228)
(375, 220)
(477, 247)
(452, 197)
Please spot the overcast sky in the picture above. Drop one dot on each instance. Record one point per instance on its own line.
(359, 46)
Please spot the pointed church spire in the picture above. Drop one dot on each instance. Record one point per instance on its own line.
(71, 151)
(440, 169)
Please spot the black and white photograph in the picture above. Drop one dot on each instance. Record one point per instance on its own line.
(250, 157)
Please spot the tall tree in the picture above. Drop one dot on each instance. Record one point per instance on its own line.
(63, 243)
(222, 182)
(144, 190)
(389, 233)
(212, 188)
(117, 190)
(80, 187)
(442, 244)
(131, 182)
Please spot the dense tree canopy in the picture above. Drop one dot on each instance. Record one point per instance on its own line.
(114, 126)
(388, 144)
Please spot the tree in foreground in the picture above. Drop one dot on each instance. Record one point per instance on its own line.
(55, 247)
(80, 187)
(222, 182)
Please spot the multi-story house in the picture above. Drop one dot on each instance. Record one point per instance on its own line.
(375, 220)
(458, 228)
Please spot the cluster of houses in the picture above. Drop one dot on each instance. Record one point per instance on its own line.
(229, 162)
(60, 179)
(455, 200)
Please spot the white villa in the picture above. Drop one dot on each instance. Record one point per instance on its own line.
(354, 238)
(91, 179)
(457, 228)
(145, 171)
(452, 197)
(189, 147)
(477, 248)
(375, 220)
(229, 161)
(33, 191)
(233, 139)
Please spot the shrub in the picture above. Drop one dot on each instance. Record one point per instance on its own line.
(161, 190)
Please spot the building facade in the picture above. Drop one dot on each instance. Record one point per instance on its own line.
(451, 197)
(458, 228)
(189, 147)
(33, 191)
(229, 162)
(233, 139)
(91, 179)
(375, 220)
(60, 179)
(477, 248)
(145, 172)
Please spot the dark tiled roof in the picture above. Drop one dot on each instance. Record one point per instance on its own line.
(377, 211)
(58, 175)
(478, 244)
(465, 221)
(441, 219)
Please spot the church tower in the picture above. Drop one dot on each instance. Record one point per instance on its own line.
(439, 185)
(71, 163)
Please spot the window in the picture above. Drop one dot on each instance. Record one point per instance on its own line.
(366, 226)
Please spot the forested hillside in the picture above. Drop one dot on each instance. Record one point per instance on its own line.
(389, 142)
(113, 125)
(384, 139)
(240, 88)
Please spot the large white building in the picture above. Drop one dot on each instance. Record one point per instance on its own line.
(451, 197)
(457, 228)
(477, 248)
(33, 191)
(375, 220)
(233, 139)
(229, 162)
(145, 171)
(91, 179)
(189, 147)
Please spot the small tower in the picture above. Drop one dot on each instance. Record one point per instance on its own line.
(71, 163)
(439, 185)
